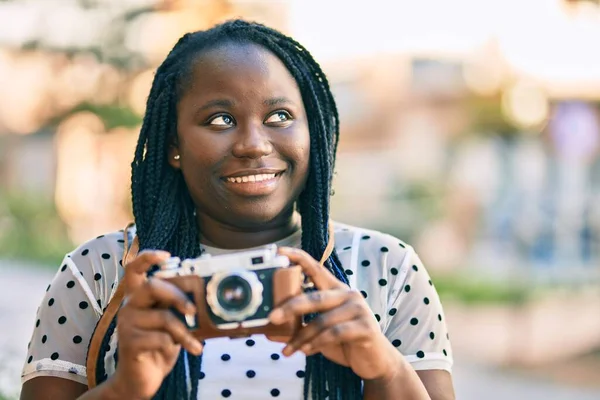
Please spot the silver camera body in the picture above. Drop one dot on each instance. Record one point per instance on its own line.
(239, 286)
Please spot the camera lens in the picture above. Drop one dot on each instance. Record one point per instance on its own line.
(234, 293)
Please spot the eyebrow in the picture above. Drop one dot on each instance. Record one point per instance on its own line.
(276, 101)
(216, 103)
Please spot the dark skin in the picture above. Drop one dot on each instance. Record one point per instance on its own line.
(232, 126)
(242, 115)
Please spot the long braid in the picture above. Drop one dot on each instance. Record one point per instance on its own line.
(163, 208)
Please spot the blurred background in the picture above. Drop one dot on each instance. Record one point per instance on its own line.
(470, 129)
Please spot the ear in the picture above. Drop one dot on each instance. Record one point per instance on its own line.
(173, 157)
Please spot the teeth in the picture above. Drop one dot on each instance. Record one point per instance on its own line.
(251, 178)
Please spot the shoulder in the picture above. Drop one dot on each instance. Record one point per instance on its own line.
(369, 241)
(105, 249)
(97, 265)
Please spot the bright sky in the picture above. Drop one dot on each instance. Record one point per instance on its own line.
(536, 36)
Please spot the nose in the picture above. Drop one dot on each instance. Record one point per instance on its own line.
(252, 142)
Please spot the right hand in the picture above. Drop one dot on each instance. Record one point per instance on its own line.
(150, 336)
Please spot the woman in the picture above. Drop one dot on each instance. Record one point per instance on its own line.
(236, 151)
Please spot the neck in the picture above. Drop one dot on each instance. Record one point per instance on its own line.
(218, 234)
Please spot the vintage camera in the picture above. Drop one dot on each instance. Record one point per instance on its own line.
(234, 293)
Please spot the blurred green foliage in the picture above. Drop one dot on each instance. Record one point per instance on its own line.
(469, 289)
(31, 229)
(112, 115)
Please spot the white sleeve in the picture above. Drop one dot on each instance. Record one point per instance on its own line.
(415, 322)
(70, 309)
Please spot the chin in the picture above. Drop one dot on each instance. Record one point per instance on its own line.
(259, 215)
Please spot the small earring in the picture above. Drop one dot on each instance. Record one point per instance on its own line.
(176, 157)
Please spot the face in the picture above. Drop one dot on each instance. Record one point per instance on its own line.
(243, 139)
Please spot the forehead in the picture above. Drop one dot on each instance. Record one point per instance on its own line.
(240, 67)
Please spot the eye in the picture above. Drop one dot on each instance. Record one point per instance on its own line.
(222, 120)
(280, 117)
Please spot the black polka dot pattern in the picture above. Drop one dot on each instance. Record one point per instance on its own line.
(390, 278)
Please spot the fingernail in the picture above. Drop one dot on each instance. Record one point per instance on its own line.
(195, 346)
(190, 308)
(276, 316)
(288, 350)
(306, 348)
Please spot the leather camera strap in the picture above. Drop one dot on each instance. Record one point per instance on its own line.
(129, 253)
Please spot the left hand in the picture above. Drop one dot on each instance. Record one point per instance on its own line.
(346, 331)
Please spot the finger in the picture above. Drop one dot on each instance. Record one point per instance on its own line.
(321, 277)
(140, 341)
(306, 303)
(166, 321)
(346, 312)
(135, 271)
(354, 331)
(158, 292)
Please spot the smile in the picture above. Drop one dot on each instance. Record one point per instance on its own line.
(252, 178)
(253, 185)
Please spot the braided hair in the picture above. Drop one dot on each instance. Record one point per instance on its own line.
(163, 208)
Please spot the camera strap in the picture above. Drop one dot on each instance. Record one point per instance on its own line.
(129, 253)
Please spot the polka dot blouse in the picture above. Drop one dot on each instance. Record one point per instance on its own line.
(386, 270)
